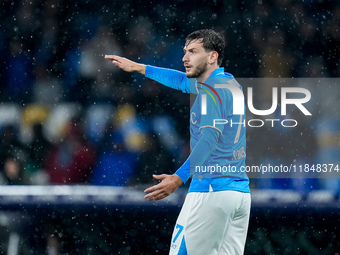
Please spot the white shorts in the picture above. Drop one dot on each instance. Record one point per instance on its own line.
(212, 223)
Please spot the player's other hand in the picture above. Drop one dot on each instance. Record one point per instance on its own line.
(126, 64)
(168, 184)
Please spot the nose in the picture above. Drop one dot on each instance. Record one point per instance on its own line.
(185, 58)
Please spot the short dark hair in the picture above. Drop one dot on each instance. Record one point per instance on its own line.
(211, 40)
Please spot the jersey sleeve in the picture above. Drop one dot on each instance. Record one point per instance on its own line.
(169, 77)
(205, 146)
(184, 171)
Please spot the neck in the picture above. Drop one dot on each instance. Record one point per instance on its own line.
(207, 73)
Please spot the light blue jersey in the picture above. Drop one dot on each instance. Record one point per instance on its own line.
(213, 109)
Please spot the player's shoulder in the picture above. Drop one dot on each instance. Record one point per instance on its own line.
(224, 75)
(228, 80)
(223, 82)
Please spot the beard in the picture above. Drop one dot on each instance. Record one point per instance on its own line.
(197, 71)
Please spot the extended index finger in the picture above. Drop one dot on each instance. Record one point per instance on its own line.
(111, 57)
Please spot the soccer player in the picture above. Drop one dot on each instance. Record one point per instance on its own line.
(215, 215)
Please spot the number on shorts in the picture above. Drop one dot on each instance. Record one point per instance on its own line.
(180, 229)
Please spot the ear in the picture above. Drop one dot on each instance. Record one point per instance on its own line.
(213, 57)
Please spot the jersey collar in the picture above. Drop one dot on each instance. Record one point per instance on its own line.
(215, 73)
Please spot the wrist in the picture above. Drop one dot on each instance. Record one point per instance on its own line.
(140, 68)
(177, 180)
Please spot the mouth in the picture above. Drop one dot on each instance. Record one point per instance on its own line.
(187, 68)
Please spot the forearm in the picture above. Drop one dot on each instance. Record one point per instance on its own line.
(168, 77)
(198, 156)
(203, 149)
(184, 171)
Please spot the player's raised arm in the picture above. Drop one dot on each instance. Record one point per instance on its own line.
(168, 77)
(126, 64)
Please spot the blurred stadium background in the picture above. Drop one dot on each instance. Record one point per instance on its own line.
(69, 117)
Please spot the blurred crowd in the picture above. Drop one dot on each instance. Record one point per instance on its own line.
(68, 116)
